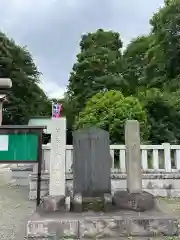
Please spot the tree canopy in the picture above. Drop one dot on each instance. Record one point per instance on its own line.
(98, 66)
(109, 111)
(163, 55)
(146, 72)
(162, 115)
(26, 98)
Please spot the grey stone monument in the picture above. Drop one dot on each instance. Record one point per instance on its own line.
(91, 169)
(133, 198)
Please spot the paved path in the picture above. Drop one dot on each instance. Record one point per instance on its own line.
(14, 209)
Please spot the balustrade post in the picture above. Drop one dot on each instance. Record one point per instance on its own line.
(167, 157)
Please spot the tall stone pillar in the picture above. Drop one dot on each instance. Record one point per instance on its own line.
(133, 198)
(133, 156)
(57, 157)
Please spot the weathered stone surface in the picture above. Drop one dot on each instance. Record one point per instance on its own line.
(68, 204)
(61, 229)
(133, 156)
(53, 204)
(103, 226)
(57, 179)
(96, 204)
(139, 202)
(153, 227)
(77, 203)
(108, 202)
(91, 159)
(99, 229)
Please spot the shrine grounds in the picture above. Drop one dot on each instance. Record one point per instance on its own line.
(15, 208)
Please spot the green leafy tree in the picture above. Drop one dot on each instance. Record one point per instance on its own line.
(134, 59)
(98, 67)
(163, 68)
(163, 115)
(109, 111)
(26, 98)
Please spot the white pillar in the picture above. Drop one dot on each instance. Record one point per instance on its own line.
(167, 157)
(57, 157)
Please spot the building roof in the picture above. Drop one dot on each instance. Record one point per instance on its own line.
(41, 121)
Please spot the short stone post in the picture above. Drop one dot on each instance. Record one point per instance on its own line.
(57, 157)
(133, 157)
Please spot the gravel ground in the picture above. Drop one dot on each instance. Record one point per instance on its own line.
(14, 209)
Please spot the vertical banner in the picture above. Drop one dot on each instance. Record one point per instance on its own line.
(56, 110)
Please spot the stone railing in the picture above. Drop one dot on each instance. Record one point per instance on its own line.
(154, 158)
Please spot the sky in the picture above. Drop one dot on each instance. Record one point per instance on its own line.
(52, 29)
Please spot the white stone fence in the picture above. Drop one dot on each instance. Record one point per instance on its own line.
(154, 158)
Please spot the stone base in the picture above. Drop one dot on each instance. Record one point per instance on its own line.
(96, 204)
(51, 204)
(91, 225)
(138, 202)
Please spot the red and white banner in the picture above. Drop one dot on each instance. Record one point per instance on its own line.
(56, 110)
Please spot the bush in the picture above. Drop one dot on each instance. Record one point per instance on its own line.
(109, 110)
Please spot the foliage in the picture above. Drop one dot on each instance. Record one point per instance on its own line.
(109, 110)
(163, 116)
(98, 67)
(134, 63)
(26, 98)
(149, 70)
(163, 55)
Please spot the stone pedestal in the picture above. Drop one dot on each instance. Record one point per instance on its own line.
(96, 204)
(55, 204)
(110, 226)
(139, 202)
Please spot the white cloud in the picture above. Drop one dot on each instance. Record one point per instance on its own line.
(52, 29)
(52, 89)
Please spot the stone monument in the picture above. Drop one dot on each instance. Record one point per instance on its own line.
(57, 201)
(93, 212)
(91, 170)
(133, 198)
